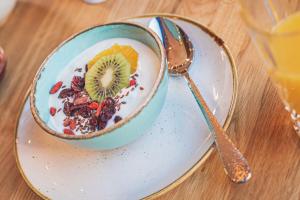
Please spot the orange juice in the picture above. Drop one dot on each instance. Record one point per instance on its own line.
(285, 51)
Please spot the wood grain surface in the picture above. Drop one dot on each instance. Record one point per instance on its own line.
(260, 126)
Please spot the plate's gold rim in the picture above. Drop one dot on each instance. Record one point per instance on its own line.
(198, 163)
(189, 172)
(16, 150)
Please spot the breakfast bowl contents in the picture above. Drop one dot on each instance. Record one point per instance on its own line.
(101, 88)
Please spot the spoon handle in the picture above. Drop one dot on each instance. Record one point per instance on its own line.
(235, 165)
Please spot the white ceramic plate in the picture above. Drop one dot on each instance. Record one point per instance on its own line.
(158, 161)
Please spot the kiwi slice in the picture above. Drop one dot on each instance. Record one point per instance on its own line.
(107, 77)
(126, 50)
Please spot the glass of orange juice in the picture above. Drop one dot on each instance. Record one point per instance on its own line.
(275, 27)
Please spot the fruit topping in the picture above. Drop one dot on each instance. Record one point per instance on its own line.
(107, 77)
(52, 111)
(55, 87)
(128, 52)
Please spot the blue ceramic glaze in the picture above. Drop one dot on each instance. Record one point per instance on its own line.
(67, 51)
(132, 129)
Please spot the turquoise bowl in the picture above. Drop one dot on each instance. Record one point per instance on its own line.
(132, 126)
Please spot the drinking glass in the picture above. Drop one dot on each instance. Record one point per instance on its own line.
(6, 6)
(274, 25)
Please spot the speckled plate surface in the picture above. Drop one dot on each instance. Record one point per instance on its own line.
(162, 158)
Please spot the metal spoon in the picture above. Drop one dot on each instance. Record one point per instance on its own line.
(179, 50)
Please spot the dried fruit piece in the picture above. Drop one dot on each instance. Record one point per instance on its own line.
(67, 108)
(68, 92)
(94, 105)
(105, 116)
(93, 121)
(84, 112)
(109, 101)
(102, 125)
(52, 111)
(80, 94)
(75, 108)
(99, 109)
(72, 124)
(66, 122)
(132, 82)
(56, 87)
(81, 100)
(77, 83)
(117, 118)
(68, 132)
(107, 109)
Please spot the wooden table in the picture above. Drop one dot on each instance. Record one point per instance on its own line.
(260, 126)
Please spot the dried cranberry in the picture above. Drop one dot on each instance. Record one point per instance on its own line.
(56, 87)
(106, 116)
(93, 106)
(132, 82)
(52, 111)
(93, 121)
(75, 108)
(77, 83)
(81, 100)
(67, 108)
(117, 119)
(66, 122)
(109, 101)
(80, 94)
(68, 132)
(68, 92)
(102, 125)
(72, 124)
(112, 110)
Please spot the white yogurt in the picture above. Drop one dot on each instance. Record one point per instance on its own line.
(147, 69)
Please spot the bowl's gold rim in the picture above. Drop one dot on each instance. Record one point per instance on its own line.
(198, 163)
(153, 91)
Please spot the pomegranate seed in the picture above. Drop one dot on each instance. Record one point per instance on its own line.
(93, 106)
(52, 111)
(132, 82)
(68, 132)
(72, 124)
(56, 87)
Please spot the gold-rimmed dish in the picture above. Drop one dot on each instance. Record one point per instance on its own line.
(151, 186)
